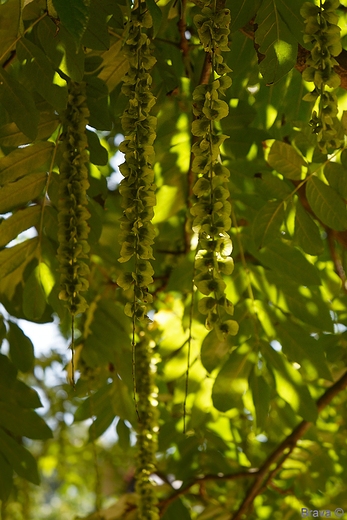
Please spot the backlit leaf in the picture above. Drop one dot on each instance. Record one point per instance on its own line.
(115, 65)
(300, 346)
(290, 385)
(18, 222)
(21, 192)
(336, 176)
(40, 73)
(21, 348)
(229, 380)
(213, 351)
(156, 14)
(19, 458)
(326, 204)
(74, 16)
(34, 299)
(23, 422)
(261, 398)
(242, 11)
(19, 104)
(122, 402)
(275, 41)
(285, 160)
(267, 223)
(289, 262)
(24, 161)
(307, 232)
(15, 256)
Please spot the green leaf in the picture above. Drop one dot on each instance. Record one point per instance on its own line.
(326, 204)
(181, 275)
(97, 101)
(23, 422)
(307, 232)
(9, 27)
(19, 103)
(123, 433)
(19, 222)
(96, 36)
(24, 161)
(60, 47)
(156, 15)
(74, 15)
(285, 160)
(6, 477)
(242, 11)
(40, 73)
(214, 351)
(275, 41)
(267, 223)
(98, 154)
(336, 176)
(11, 136)
(15, 256)
(299, 346)
(93, 404)
(21, 348)
(289, 262)
(21, 192)
(115, 65)
(228, 382)
(290, 385)
(34, 298)
(103, 421)
(272, 187)
(176, 510)
(305, 304)
(261, 394)
(290, 14)
(25, 396)
(19, 458)
(122, 403)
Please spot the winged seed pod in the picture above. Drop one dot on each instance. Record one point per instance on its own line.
(73, 229)
(136, 236)
(73, 215)
(137, 188)
(212, 210)
(322, 31)
(147, 432)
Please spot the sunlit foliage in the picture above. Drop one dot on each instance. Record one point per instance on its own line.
(183, 165)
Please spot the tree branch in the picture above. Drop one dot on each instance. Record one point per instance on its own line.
(285, 449)
(164, 504)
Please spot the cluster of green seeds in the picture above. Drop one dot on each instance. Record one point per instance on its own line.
(137, 236)
(137, 188)
(147, 433)
(322, 31)
(73, 228)
(212, 209)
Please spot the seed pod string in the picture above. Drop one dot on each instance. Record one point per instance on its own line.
(73, 214)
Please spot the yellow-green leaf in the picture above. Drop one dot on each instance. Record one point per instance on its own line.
(326, 204)
(285, 160)
(19, 193)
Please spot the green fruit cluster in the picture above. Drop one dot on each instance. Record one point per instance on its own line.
(322, 31)
(147, 433)
(73, 228)
(137, 188)
(212, 209)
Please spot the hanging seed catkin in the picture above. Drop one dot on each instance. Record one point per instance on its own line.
(137, 188)
(73, 215)
(212, 209)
